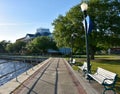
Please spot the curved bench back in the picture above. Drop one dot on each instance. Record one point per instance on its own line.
(106, 73)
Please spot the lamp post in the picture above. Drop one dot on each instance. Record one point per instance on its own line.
(72, 44)
(84, 8)
(72, 36)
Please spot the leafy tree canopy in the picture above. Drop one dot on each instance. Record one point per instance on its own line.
(41, 45)
(15, 47)
(105, 15)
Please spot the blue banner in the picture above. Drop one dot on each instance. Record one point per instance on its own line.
(89, 24)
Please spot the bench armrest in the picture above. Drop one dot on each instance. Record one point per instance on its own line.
(105, 83)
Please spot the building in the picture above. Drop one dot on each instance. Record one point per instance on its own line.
(65, 51)
(42, 32)
(45, 32)
(39, 32)
(114, 51)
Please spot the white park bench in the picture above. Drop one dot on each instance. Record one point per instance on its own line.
(104, 77)
(83, 68)
(72, 61)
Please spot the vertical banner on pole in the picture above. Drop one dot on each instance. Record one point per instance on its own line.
(89, 24)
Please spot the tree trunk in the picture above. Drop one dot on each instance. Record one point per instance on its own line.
(92, 56)
(92, 53)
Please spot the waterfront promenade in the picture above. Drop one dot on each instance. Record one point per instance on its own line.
(54, 76)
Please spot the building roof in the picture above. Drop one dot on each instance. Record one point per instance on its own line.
(30, 35)
(40, 32)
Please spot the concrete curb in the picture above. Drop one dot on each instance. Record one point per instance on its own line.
(86, 86)
(78, 85)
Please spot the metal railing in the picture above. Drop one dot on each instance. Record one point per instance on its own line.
(26, 63)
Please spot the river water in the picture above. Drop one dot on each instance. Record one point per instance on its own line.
(10, 66)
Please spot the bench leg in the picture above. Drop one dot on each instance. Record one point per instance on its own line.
(85, 74)
(108, 88)
(90, 78)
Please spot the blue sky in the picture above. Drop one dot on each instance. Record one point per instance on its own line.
(19, 17)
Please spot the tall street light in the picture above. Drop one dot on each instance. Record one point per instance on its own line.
(73, 35)
(84, 8)
(72, 47)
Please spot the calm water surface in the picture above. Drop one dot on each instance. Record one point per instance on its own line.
(9, 66)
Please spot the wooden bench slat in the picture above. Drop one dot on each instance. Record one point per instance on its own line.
(105, 78)
(106, 73)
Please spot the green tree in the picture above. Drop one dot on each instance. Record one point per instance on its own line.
(65, 26)
(16, 47)
(3, 45)
(105, 15)
(10, 48)
(106, 18)
(40, 45)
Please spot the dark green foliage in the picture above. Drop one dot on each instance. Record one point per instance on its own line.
(15, 47)
(65, 26)
(40, 45)
(105, 15)
(3, 45)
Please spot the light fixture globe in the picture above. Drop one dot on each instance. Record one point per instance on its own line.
(84, 7)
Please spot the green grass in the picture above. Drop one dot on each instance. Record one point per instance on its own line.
(108, 62)
(75, 67)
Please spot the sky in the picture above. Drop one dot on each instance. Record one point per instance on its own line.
(19, 17)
